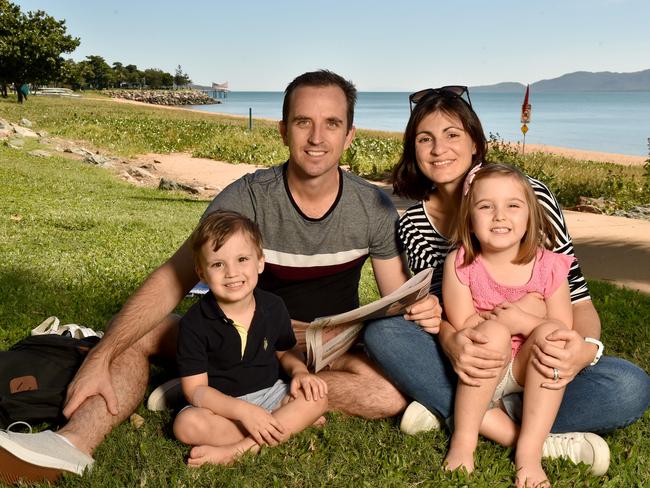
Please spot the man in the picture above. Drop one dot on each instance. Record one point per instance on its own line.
(319, 225)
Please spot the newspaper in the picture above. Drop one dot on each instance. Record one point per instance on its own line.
(327, 338)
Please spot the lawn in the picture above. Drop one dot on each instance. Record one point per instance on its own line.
(76, 242)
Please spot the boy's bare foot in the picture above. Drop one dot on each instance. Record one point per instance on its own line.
(459, 459)
(531, 475)
(200, 455)
(320, 421)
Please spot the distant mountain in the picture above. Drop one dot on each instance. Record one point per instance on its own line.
(579, 81)
(505, 87)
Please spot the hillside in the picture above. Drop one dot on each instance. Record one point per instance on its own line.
(579, 81)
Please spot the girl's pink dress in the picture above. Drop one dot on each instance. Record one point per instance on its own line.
(549, 271)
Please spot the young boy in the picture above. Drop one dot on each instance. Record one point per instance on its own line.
(229, 346)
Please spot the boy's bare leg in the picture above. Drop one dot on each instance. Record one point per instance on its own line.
(472, 403)
(294, 416)
(92, 421)
(356, 387)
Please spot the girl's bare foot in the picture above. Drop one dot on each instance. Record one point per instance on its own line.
(459, 459)
(319, 422)
(200, 455)
(530, 474)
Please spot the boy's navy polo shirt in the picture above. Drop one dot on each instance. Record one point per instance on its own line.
(208, 342)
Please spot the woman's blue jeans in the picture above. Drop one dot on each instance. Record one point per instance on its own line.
(612, 394)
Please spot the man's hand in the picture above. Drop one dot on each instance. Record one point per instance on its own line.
(426, 312)
(93, 378)
(263, 427)
(569, 360)
(470, 359)
(312, 386)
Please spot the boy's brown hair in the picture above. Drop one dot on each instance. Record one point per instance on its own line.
(539, 231)
(220, 225)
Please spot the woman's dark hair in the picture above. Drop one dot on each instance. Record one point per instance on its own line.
(408, 180)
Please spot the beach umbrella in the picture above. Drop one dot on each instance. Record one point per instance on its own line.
(525, 117)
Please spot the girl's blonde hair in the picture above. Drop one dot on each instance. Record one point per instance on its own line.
(539, 231)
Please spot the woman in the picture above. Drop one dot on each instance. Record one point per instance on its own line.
(443, 140)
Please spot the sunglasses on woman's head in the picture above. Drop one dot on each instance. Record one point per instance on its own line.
(453, 91)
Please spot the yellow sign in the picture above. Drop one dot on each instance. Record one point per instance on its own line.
(524, 128)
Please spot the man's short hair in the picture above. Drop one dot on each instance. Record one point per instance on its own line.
(321, 78)
(218, 227)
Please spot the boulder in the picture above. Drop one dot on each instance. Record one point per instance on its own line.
(5, 133)
(98, 159)
(15, 142)
(166, 184)
(140, 173)
(4, 124)
(25, 123)
(81, 151)
(24, 131)
(40, 153)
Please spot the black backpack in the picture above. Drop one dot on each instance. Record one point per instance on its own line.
(34, 377)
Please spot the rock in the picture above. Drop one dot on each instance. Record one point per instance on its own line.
(42, 133)
(164, 97)
(97, 159)
(81, 151)
(166, 184)
(24, 122)
(5, 133)
(638, 212)
(24, 131)
(157, 162)
(148, 166)
(586, 208)
(127, 177)
(4, 124)
(15, 142)
(40, 153)
(140, 173)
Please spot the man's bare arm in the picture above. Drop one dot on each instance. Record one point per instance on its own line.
(148, 306)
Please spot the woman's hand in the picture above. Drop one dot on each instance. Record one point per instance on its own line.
(568, 360)
(471, 360)
(427, 313)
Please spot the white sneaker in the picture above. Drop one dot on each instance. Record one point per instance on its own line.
(417, 418)
(49, 326)
(166, 396)
(579, 447)
(37, 457)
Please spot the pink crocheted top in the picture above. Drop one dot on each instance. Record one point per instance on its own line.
(549, 271)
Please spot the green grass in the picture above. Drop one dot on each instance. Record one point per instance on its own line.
(76, 242)
(128, 130)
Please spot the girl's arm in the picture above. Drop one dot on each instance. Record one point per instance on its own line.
(558, 306)
(457, 297)
(313, 386)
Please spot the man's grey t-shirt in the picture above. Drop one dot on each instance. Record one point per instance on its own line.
(314, 264)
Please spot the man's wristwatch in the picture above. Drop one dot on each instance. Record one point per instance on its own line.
(600, 350)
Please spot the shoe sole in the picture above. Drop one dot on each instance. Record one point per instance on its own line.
(410, 423)
(14, 469)
(157, 401)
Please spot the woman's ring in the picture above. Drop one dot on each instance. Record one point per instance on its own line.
(556, 374)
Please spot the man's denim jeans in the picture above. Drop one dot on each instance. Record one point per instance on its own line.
(612, 394)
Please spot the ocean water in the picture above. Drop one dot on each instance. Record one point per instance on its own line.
(616, 122)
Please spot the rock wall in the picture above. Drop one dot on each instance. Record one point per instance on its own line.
(164, 97)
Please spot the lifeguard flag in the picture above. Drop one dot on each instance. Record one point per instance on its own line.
(526, 108)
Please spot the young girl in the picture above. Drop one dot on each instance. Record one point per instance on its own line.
(501, 258)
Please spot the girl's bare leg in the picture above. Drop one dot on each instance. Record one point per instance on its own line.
(540, 408)
(472, 403)
(294, 416)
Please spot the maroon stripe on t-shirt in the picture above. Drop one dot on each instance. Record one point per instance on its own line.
(310, 273)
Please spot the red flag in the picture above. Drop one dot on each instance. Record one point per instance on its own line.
(526, 108)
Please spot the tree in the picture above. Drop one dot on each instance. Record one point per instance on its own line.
(31, 45)
(180, 78)
(98, 73)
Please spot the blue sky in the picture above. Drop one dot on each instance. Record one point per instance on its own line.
(391, 46)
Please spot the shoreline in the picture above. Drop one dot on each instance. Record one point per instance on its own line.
(578, 154)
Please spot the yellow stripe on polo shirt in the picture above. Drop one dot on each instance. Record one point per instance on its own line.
(243, 335)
